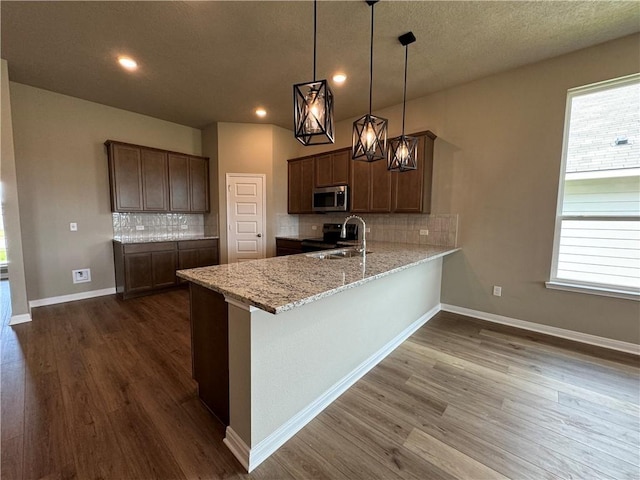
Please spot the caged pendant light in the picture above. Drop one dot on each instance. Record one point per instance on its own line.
(369, 141)
(313, 105)
(403, 150)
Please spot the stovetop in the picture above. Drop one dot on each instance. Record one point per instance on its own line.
(331, 233)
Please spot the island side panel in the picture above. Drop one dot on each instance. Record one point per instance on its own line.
(240, 372)
(299, 355)
(210, 349)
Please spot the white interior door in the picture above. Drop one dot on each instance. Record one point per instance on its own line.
(246, 212)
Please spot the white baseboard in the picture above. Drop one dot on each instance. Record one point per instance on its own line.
(250, 458)
(16, 319)
(546, 329)
(72, 297)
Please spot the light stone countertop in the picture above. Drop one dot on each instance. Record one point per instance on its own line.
(278, 284)
(167, 239)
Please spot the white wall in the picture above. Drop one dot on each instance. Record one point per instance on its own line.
(62, 177)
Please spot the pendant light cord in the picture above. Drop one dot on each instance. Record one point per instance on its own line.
(315, 21)
(404, 93)
(371, 63)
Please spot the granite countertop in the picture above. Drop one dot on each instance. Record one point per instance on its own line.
(167, 239)
(279, 284)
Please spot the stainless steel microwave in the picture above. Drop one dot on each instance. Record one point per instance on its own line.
(330, 199)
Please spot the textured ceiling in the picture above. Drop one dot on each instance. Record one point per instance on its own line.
(202, 62)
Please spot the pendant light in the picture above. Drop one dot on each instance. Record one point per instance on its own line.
(369, 142)
(313, 105)
(403, 150)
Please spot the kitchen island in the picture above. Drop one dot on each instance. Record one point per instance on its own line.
(277, 340)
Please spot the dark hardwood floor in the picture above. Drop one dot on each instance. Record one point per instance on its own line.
(102, 388)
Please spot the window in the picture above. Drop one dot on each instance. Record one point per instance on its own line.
(597, 236)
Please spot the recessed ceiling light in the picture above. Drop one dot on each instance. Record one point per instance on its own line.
(261, 112)
(339, 77)
(128, 63)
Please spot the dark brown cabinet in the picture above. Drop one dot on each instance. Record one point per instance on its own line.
(197, 253)
(125, 175)
(143, 268)
(376, 190)
(145, 179)
(370, 187)
(412, 190)
(154, 180)
(332, 168)
(300, 185)
(188, 183)
(287, 246)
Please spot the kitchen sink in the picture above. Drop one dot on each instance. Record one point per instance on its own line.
(336, 254)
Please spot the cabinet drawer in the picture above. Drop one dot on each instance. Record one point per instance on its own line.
(148, 247)
(289, 244)
(193, 244)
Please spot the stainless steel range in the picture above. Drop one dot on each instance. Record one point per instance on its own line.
(330, 237)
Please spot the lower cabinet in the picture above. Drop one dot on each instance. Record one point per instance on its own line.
(143, 268)
(287, 246)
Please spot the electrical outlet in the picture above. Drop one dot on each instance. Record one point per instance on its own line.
(73, 227)
(424, 232)
(497, 291)
(314, 227)
(81, 276)
(367, 230)
(139, 227)
(184, 227)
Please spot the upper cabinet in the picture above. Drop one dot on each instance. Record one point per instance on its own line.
(125, 177)
(332, 168)
(372, 188)
(147, 179)
(412, 189)
(300, 185)
(376, 190)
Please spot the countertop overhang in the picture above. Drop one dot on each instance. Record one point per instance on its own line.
(279, 284)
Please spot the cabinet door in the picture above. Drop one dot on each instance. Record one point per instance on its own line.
(154, 180)
(164, 268)
(324, 176)
(360, 186)
(207, 257)
(412, 190)
(306, 190)
(178, 183)
(294, 180)
(300, 185)
(380, 187)
(340, 167)
(408, 186)
(138, 272)
(187, 259)
(199, 184)
(126, 178)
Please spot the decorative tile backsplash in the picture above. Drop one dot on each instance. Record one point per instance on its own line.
(400, 228)
(133, 227)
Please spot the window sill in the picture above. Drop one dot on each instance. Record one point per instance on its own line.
(593, 290)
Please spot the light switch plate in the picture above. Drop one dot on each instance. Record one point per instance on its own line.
(73, 227)
(424, 232)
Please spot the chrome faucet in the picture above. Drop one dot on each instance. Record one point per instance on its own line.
(343, 234)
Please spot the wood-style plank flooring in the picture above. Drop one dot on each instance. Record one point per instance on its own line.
(102, 388)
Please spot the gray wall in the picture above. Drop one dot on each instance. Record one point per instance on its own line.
(62, 177)
(497, 164)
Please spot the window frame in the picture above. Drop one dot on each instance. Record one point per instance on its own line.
(570, 284)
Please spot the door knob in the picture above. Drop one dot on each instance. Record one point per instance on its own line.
(259, 235)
